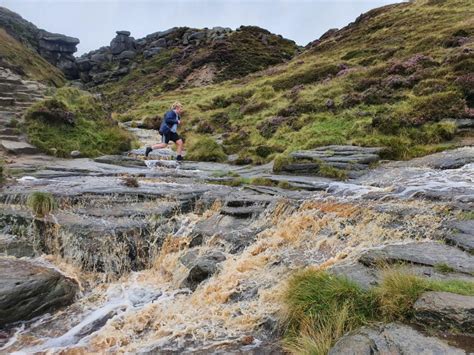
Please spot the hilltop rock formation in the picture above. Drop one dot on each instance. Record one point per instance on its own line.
(190, 48)
(56, 48)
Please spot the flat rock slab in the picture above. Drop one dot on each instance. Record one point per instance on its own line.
(353, 159)
(446, 311)
(155, 154)
(28, 289)
(11, 245)
(462, 236)
(120, 160)
(391, 339)
(428, 253)
(18, 148)
(462, 241)
(449, 159)
(362, 275)
(368, 277)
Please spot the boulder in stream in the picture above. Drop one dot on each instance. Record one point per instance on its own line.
(28, 289)
(200, 267)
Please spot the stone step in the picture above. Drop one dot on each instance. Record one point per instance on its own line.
(7, 101)
(26, 96)
(9, 131)
(8, 87)
(10, 138)
(7, 114)
(18, 148)
(9, 94)
(22, 106)
(10, 81)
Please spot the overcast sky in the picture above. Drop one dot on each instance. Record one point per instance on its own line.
(95, 22)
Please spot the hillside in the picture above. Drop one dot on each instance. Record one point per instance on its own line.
(399, 77)
(57, 49)
(180, 57)
(26, 62)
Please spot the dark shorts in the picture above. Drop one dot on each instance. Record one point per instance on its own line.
(170, 136)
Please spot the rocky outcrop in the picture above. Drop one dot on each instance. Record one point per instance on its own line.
(28, 290)
(189, 47)
(56, 48)
(445, 311)
(116, 60)
(391, 338)
(353, 160)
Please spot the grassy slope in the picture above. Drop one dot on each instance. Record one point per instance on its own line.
(241, 53)
(27, 62)
(74, 120)
(388, 97)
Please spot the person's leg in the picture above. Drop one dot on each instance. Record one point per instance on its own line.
(163, 144)
(159, 146)
(179, 144)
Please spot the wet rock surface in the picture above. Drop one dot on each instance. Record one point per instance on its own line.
(16, 95)
(392, 338)
(184, 234)
(353, 160)
(462, 236)
(11, 245)
(28, 290)
(446, 311)
(200, 267)
(430, 254)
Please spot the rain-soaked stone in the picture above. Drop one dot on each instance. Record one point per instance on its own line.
(463, 236)
(446, 311)
(11, 245)
(120, 160)
(425, 253)
(362, 275)
(392, 338)
(28, 289)
(200, 267)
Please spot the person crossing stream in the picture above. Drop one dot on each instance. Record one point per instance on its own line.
(168, 131)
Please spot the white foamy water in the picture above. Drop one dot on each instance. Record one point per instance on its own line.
(409, 182)
(120, 299)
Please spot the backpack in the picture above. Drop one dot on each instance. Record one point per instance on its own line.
(164, 128)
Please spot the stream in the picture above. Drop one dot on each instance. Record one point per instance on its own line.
(131, 249)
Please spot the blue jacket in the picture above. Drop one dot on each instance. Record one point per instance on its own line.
(169, 123)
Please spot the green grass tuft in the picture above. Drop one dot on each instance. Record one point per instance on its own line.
(443, 268)
(41, 203)
(204, 148)
(321, 307)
